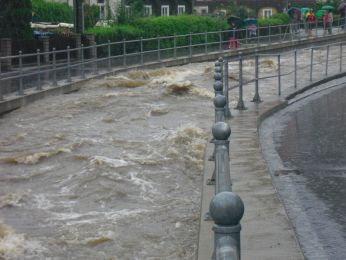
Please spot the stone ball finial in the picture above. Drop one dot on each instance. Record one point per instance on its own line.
(226, 208)
(218, 87)
(220, 101)
(220, 59)
(217, 76)
(218, 70)
(221, 131)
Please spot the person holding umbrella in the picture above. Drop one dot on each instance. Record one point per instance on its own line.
(342, 9)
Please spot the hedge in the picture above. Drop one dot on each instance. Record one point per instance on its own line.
(52, 12)
(276, 19)
(151, 27)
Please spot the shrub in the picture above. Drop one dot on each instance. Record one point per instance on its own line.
(52, 12)
(282, 16)
(91, 15)
(15, 19)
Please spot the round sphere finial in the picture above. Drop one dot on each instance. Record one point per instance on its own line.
(217, 76)
(220, 59)
(220, 101)
(218, 87)
(217, 64)
(226, 208)
(221, 131)
(218, 69)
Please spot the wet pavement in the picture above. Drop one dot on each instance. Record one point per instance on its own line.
(305, 147)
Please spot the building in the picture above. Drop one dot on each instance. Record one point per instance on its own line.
(263, 8)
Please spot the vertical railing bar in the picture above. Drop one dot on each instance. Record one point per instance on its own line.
(340, 57)
(20, 90)
(109, 56)
(327, 60)
(82, 62)
(124, 53)
(295, 68)
(141, 47)
(68, 64)
(311, 62)
(279, 75)
(39, 87)
(55, 83)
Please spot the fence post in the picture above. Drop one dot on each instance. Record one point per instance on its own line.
(279, 75)
(95, 62)
(82, 62)
(269, 32)
(141, 43)
(124, 53)
(175, 46)
(68, 65)
(295, 68)
(256, 98)
(190, 45)
(258, 36)
(316, 24)
(1, 95)
(311, 61)
(158, 48)
(39, 70)
(220, 44)
(340, 57)
(55, 83)
(246, 34)
(280, 32)
(206, 43)
(240, 105)
(109, 55)
(21, 90)
(226, 209)
(226, 91)
(327, 59)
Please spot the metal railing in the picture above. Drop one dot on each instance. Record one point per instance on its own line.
(307, 65)
(226, 208)
(291, 68)
(79, 63)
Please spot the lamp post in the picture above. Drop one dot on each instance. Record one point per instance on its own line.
(78, 8)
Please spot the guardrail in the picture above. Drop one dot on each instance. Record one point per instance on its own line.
(101, 58)
(226, 208)
(325, 60)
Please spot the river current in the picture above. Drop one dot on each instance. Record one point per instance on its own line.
(114, 170)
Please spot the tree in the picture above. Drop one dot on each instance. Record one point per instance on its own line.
(15, 17)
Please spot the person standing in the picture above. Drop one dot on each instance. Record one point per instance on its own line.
(325, 22)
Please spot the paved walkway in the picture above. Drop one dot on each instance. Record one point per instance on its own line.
(266, 231)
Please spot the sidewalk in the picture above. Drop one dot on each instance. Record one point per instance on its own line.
(266, 231)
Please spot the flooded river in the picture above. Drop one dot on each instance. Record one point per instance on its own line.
(114, 170)
(305, 147)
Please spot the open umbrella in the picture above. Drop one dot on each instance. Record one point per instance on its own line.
(341, 7)
(250, 21)
(320, 13)
(304, 9)
(328, 8)
(235, 20)
(292, 11)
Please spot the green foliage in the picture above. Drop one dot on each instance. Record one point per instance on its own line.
(15, 19)
(115, 33)
(52, 11)
(91, 15)
(182, 24)
(285, 18)
(276, 19)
